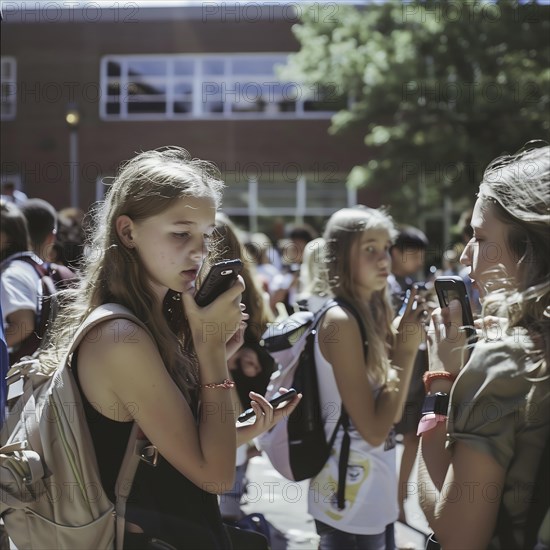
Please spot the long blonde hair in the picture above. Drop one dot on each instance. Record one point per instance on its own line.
(344, 229)
(145, 186)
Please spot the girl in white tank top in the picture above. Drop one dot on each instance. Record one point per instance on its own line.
(371, 390)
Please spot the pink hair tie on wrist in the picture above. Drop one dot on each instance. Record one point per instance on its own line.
(226, 385)
(429, 421)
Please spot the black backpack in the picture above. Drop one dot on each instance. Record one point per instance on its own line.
(298, 449)
(53, 278)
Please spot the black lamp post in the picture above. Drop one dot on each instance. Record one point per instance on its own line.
(72, 117)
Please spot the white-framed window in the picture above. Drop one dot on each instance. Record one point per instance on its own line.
(184, 86)
(309, 195)
(8, 79)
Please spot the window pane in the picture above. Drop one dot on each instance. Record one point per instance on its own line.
(287, 106)
(8, 91)
(212, 107)
(276, 194)
(143, 107)
(235, 195)
(113, 88)
(252, 65)
(244, 96)
(113, 108)
(248, 107)
(184, 67)
(272, 91)
(113, 69)
(142, 88)
(147, 68)
(183, 106)
(183, 88)
(326, 188)
(6, 69)
(213, 66)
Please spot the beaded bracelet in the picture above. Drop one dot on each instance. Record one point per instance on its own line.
(226, 385)
(430, 375)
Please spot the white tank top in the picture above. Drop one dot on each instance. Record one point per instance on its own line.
(371, 481)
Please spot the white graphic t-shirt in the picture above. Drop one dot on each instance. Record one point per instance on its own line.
(371, 480)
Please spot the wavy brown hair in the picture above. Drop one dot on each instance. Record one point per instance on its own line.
(517, 189)
(343, 231)
(145, 186)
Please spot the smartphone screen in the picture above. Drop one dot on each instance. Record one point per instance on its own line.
(220, 278)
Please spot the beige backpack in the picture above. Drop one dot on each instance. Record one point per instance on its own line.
(50, 489)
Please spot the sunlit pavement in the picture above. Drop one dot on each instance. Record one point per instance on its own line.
(284, 504)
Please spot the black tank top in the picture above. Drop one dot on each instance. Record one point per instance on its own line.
(163, 501)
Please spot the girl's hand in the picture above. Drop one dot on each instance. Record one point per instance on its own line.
(234, 344)
(489, 327)
(411, 330)
(447, 340)
(218, 321)
(266, 417)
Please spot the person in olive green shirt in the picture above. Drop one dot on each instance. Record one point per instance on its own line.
(486, 446)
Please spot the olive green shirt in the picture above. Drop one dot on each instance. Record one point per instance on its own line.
(498, 409)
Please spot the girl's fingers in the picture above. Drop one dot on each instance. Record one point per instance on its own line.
(261, 405)
(436, 324)
(287, 410)
(455, 314)
(410, 303)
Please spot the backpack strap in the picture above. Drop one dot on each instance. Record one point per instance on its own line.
(44, 305)
(125, 480)
(135, 445)
(343, 420)
(99, 315)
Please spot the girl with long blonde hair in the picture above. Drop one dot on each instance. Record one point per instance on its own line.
(369, 379)
(151, 236)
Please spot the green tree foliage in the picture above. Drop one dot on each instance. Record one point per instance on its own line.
(441, 88)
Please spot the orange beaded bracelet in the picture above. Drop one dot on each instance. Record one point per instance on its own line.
(430, 375)
(226, 385)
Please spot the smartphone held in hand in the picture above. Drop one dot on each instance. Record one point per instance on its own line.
(219, 279)
(452, 287)
(275, 402)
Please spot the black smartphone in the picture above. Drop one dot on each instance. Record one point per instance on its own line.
(277, 400)
(220, 277)
(452, 287)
